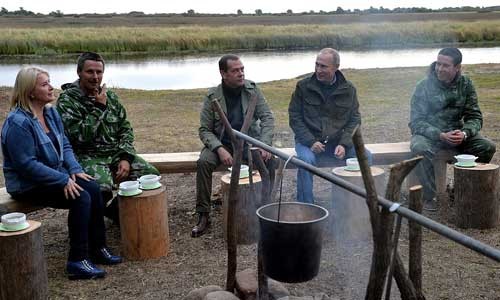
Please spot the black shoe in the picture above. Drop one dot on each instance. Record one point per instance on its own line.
(431, 205)
(83, 269)
(111, 211)
(202, 227)
(103, 256)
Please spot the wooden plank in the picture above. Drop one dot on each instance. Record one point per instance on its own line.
(8, 204)
(185, 162)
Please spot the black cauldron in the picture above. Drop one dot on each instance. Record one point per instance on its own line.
(291, 248)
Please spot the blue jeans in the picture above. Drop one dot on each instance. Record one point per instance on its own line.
(305, 178)
(85, 219)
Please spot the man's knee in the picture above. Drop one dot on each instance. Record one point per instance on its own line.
(419, 144)
(208, 160)
(488, 149)
(305, 154)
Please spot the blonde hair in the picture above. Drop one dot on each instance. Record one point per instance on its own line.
(25, 84)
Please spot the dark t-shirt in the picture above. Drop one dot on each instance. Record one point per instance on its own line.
(234, 110)
(53, 139)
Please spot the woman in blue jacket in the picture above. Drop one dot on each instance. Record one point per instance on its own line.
(39, 166)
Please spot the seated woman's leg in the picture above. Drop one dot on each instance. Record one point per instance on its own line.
(98, 250)
(78, 266)
(96, 228)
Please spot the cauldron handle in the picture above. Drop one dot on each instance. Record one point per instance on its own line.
(281, 186)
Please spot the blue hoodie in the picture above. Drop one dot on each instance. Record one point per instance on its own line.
(30, 158)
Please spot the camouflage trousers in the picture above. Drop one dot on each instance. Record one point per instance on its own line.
(420, 145)
(103, 169)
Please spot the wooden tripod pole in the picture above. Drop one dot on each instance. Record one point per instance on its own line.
(232, 249)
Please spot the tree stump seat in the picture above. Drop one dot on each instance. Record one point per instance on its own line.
(249, 200)
(477, 196)
(23, 269)
(144, 225)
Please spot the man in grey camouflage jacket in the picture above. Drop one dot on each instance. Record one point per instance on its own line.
(445, 114)
(96, 124)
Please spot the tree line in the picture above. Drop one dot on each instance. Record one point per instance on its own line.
(258, 12)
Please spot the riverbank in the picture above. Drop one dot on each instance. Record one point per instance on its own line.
(167, 121)
(199, 37)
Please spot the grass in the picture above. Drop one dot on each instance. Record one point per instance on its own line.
(62, 40)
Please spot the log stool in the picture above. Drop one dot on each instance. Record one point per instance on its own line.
(246, 220)
(350, 216)
(144, 224)
(23, 270)
(476, 196)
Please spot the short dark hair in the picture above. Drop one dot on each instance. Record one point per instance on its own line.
(223, 61)
(88, 56)
(454, 53)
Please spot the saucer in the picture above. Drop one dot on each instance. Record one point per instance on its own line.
(151, 187)
(130, 194)
(16, 228)
(465, 166)
(351, 169)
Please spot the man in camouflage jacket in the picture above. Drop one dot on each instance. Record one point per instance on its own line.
(234, 95)
(445, 114)
(96, 124)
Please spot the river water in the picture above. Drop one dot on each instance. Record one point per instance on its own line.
(157, 73)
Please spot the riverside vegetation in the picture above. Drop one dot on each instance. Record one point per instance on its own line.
(203, 38)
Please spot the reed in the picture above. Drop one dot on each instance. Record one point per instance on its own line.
(46, 41)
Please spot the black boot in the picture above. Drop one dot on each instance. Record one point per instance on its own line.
(202, 226)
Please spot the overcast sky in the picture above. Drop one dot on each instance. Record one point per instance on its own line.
(222, 6)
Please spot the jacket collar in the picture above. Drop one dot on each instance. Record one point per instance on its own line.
(31, 115)
(313, 84)
(246, 92)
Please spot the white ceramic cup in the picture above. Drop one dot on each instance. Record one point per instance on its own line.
(129, 186)
(14, 221)
(352, 163)
(244, 171)
(149, 180)
(466, 159)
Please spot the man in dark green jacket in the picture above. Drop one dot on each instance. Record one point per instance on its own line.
(323, 113)
(445, 114)
(233, 94)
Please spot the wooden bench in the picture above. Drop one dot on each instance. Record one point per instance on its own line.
(185, 162)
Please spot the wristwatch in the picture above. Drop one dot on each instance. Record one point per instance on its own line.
(465, 135)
